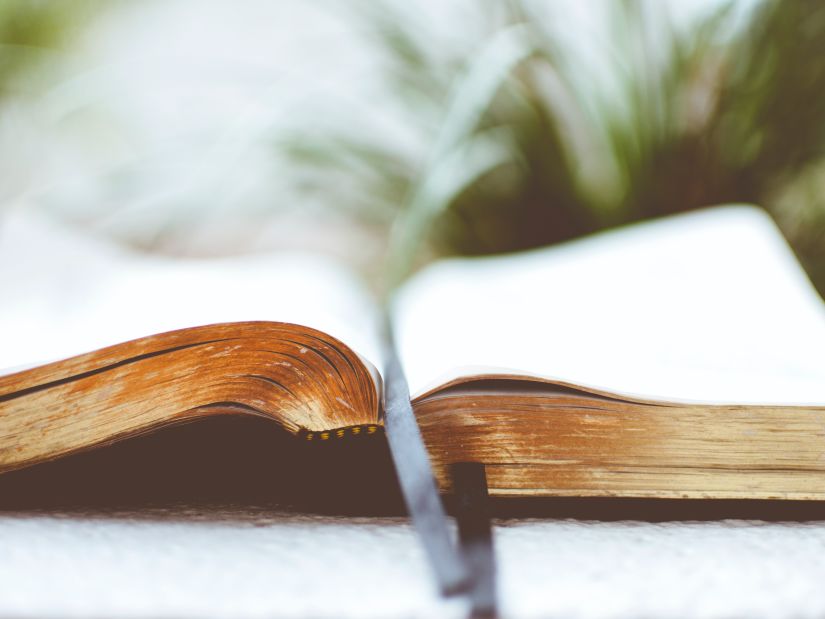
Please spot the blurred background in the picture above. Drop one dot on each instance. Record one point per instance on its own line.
(388, 133)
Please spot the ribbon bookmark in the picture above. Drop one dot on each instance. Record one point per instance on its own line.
(475, 533)
(412, 463)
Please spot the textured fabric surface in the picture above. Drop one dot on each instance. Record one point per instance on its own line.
(250, 562)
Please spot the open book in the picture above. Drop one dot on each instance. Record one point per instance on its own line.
(676, 358)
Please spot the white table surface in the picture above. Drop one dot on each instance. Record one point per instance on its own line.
(262, 562)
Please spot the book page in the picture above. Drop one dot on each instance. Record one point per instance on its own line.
(64, 293)
(709, 306)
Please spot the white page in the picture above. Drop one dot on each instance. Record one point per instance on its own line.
(63, 293)
(710, 306)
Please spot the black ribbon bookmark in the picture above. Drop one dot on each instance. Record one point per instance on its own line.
(475, 534)
(412, 463)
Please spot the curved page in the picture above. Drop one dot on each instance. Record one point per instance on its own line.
(710, 306)
(66, 294)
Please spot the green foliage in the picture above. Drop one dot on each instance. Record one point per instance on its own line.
(547, 149)
(32, 30)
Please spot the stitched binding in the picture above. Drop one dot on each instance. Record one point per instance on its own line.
(347, 432)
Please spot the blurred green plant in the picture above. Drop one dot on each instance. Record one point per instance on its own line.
(530, 146)
(32, 31)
